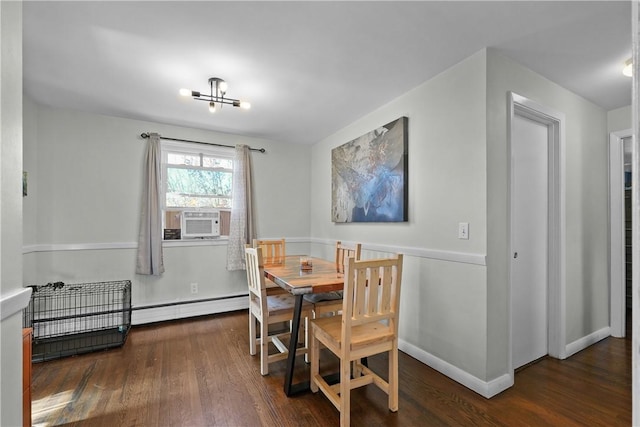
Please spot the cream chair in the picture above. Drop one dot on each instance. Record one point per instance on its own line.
(273, 251)
(267, 310)
(368, 326)
(331, 302)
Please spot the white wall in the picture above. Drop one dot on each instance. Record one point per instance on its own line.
(455, 294)
(455, 314)
(619, 119)
(587, 297)
(443, 315)
(85, 183)
(10, 212)
(30, 165)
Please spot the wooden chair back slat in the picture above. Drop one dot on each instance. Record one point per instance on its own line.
(255, 275)
(371, 291)
(387, 290)
(344, 252)
(374, 303)
(273, 251)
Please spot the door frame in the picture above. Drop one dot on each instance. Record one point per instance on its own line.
(556, 292)
(617, 275)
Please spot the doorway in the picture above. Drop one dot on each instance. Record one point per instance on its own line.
(529, 270)
(619, 230)
(536, 230)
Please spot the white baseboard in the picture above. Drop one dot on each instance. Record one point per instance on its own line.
(500, 384)
(142, 315)
(483, 388)
(584, 342)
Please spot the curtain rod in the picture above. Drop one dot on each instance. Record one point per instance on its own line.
(145, 135)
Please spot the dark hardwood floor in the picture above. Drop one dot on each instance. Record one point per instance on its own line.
(198, 372)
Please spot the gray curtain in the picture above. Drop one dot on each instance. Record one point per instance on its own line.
(150, 238)
(241, 228)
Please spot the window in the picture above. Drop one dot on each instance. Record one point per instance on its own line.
(195, 176)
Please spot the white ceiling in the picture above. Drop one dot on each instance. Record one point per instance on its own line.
(308, 68)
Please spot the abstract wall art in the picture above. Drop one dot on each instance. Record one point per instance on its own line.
(369, 176)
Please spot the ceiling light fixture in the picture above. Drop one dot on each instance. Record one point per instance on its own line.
(628, 68)
(216, 97)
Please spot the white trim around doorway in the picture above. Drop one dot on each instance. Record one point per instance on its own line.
(617, 233)
(555, 121)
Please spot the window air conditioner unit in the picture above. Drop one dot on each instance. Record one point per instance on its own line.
(199, 224)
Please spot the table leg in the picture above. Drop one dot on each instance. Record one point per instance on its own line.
(289, 388)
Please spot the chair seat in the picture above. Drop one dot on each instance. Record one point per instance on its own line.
(323, 296)
(273, 288)
(329, 330)
(283, 303)
(270, 284)
(326, 303)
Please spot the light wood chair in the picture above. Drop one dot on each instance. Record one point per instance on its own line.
(273, 251)
(333, 302)
(344, 252)
(368, 325)
(267, 310)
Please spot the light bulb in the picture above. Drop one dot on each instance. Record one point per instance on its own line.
(222, 87)
(185, 92)
(245, 105)
(212, 107)
(628, 68)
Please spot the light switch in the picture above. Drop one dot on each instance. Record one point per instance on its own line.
(463, 230)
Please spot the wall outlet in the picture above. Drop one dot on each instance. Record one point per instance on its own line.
(463, 231)
(194, 288)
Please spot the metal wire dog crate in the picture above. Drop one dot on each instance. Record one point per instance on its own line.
(69, 319)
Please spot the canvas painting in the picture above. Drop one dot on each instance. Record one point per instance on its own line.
(369, 176)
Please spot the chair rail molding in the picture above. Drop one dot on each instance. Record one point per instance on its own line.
(14, 302)
(437, 254)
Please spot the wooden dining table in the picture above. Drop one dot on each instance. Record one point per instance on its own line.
(289, 275)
